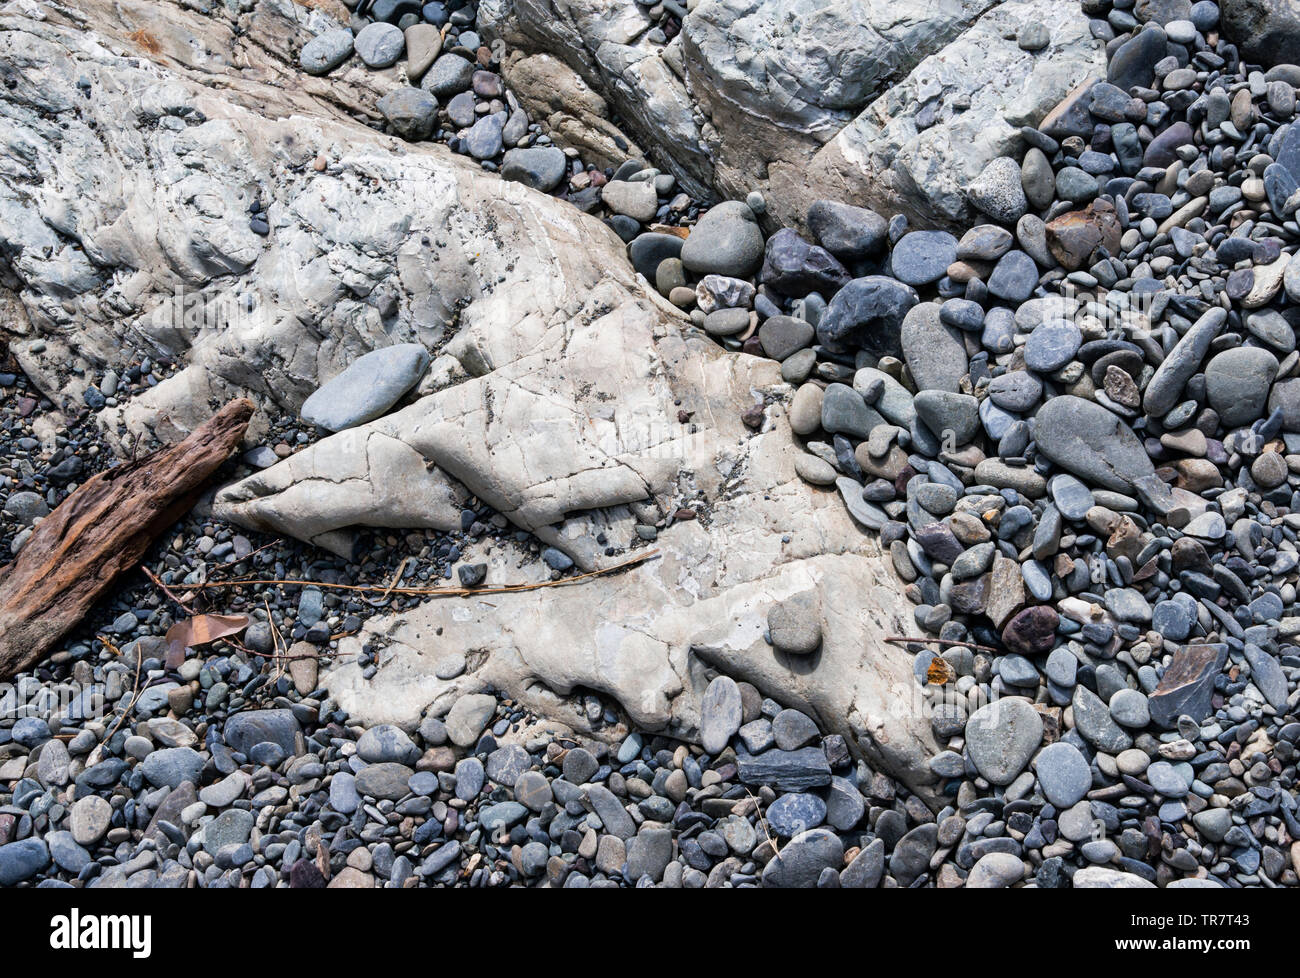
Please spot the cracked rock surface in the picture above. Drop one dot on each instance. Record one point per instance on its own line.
(554, 394)
(895, 106)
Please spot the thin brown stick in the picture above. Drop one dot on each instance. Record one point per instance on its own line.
(167, 591)
(270, 621)
(397, 576)
(285, 657)
(762, 821)
(135, 695)
(437, 591)
(275, 638)
(382, 600)
(943, 641)
(251, 553)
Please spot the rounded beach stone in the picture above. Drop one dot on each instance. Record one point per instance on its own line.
(325, 52)
(1002, 736)
(794, 625)
(1063, 774)
(720, 713)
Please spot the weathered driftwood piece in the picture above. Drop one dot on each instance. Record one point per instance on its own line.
(101, 530)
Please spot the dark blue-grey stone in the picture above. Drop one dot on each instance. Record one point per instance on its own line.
(539, 167)
(1166, 385)
(379, 45)
(610, 811)
(1237, 383)
(440, 859)
(1072, 498)
(946, 413)
(1175, 617)
(922, 257)
(802, 860)
(648, 854)
(506, 763)
(410, 112)
(794, 267)
(720, 713)
(935, 353)
(1016, 390)
(1016, 670)
(1267, 675)
(845, 805)
(24, 859)
(966, 315)
(867, 867)
(1014, 277)
(1061, 667)
(1163, 149)
(250, 727)
(470, 778)
(868, 313)
(783, 336)
(501, 815)
(725, 241)
(448, 76)
(1166, 779)
(911, 856)
(386, 780)
(1093, 720)
(1052, 345)
(1075, 185)
(385, 742)
(231, 827)
(67, 854)
(172, 766)
(844, 411)
(796, 770)
(1133, 63)
(648, 250)
(30, 732)
(343, 793)
(484, 139)
(794, 813)
(850, 233)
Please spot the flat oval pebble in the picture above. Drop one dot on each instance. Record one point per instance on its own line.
(1052, 345)
(368, 388)
(921, 257)
(380, 45)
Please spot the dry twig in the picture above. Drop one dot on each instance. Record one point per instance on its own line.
(135, 695)
(436, 592)
(943, 641)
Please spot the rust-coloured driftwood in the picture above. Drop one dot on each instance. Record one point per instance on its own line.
(101, 530)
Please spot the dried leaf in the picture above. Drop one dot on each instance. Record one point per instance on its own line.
(673, 229)
(202, 629)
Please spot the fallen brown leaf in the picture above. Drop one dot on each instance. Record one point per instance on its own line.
(204, 629)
